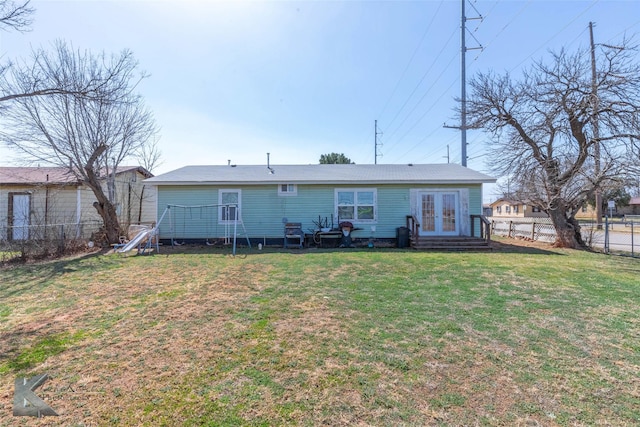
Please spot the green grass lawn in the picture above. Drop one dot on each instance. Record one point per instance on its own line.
(517, 336)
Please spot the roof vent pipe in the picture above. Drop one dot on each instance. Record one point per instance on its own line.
(271, 171)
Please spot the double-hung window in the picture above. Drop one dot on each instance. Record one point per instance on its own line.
(229, 205)
(287, 190)
(356, 205)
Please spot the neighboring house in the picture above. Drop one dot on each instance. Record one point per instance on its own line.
(588, 212)
(632, 209)
(33, 199)
(515, 209)
(376, 199)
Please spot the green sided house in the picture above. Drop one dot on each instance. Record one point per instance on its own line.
(432, 201)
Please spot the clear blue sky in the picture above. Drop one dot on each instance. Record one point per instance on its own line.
(235, 80)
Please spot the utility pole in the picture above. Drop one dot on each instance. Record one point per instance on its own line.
(463, 83)
(463, 87)
(596, 129)
(447, 156)
(376, 143)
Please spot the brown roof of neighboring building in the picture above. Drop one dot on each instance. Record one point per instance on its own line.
(51, 175)
(36, 175)
(634, 201)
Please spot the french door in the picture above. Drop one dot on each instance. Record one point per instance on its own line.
(438, 213)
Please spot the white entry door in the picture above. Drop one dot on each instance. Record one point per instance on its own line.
(438, 213)
(21, 204)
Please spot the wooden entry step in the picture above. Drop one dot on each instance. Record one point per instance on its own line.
(453, 243)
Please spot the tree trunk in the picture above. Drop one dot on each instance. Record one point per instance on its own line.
(107, 212)
(103, 205)
(567, 229)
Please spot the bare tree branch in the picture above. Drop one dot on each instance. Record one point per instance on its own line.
(14, 16)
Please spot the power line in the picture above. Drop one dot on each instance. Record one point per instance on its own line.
(428, 109)
(433, 63)
(502, 30)
(415, 52)
(506, 25)
(476, 153)
(546, 43)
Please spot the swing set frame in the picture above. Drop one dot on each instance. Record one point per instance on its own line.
(230, 225)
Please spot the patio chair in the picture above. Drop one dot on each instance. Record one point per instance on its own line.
(293, 235)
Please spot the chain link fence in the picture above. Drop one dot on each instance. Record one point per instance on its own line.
(622, 237)
(619, 237)
(42, 241)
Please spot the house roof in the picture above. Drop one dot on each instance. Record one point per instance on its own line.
(634, 201)
(36, 175)
(51, 175)
(507, 201)
(447, 173)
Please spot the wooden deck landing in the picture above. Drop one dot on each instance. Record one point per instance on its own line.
(456, 243)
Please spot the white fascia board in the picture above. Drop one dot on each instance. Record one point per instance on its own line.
(330, 182)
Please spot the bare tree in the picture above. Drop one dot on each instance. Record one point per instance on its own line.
(15, 16)
(149, 155)
(542, 129)
(90, 135)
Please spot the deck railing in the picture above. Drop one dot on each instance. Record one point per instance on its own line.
(413, 225)
(484, 223)
(485, 227)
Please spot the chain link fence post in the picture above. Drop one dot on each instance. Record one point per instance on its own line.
(606, 234)
(632, 242)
